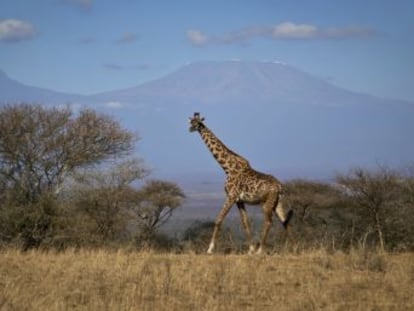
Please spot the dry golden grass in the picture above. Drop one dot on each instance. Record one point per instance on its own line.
(125, 280)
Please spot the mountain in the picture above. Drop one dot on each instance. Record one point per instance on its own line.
(235, 82)
(13, 91)
(283, 120)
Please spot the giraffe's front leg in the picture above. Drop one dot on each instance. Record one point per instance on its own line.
(219, 220)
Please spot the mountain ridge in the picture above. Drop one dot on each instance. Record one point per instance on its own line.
(214, 82)
(12, 90)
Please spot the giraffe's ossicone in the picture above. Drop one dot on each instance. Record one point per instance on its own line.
(244, 185)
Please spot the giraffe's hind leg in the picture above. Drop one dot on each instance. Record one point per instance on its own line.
(267, 223)
(246, 225)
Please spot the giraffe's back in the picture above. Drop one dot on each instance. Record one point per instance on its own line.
(252, 187)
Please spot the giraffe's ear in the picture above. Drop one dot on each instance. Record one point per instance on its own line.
(202, 119)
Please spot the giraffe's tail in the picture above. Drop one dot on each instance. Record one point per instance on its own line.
(283, 217)
(288, 218)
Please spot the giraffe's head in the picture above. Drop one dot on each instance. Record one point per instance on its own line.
(196, 122)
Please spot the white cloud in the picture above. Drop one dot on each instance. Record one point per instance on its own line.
(294, 31)
(196, 37)
(285, 30)
(13, 30)
(115, 104)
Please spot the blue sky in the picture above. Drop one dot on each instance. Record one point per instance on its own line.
(89, 46)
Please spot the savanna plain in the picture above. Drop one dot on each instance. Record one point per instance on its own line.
(87, 279)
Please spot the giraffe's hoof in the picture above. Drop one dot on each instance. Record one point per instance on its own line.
(210, 249)
(251, 250)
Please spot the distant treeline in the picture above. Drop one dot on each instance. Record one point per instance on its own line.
(71, 180)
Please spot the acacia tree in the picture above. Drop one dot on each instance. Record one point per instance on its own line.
(39, 147)
(375, 195)
(106, 197)
(304, 196)
(157, 201)
(314, 203)
(401, 237)
(408, 192)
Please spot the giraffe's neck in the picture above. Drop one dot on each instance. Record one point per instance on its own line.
(227, 159)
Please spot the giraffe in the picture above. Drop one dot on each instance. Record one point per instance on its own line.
(243, 185)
